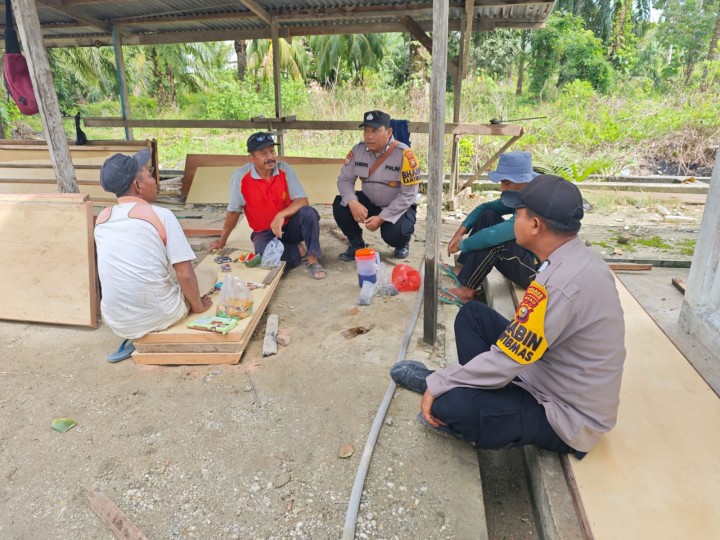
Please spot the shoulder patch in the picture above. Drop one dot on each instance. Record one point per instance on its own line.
(348, 158)
(524, 338)
(409, 174)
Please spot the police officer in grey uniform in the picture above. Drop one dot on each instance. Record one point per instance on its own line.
(389, 174)
(550, 376)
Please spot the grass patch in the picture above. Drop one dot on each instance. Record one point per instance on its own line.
(653, 241)
(687, 246)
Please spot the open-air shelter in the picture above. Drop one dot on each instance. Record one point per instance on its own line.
(91, 23)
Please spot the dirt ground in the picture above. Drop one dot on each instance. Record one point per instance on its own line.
(251, 451)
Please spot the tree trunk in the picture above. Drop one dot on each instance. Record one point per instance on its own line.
(241, 52)
(713, 52)
(524, 38)
(618, 32)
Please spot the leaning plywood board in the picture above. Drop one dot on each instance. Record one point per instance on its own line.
(211, 185)
(48, 271)
(96, 192)
(193, 161)
(182, 345)
(656, 474)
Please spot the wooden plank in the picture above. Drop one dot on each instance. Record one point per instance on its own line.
(508, 130)
(119, 524)
(48, 272)
(195, 348)
(271, 331)
(70, 198)
(629, 267)
(192, 232)
(97, 194)
(212, 184)
(661, 454)
(193, 161)
(178, 358)
(679, 284)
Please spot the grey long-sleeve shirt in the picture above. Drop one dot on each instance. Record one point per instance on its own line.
(392, 187)
(572, 361)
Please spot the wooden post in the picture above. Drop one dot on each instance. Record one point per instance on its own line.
(455, 154)
(122, 80)
(274, 31)
(33, 45)
(436, 171)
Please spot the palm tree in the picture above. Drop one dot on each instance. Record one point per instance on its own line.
(294, 59)
(353, 54)
(715, 40)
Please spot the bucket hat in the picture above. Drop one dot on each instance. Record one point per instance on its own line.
(513, 166)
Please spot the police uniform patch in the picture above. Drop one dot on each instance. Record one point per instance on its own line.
(409, 174)
(349, 157)
(524, 338)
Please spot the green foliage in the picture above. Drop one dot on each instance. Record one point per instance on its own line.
(347, 57)
(494, 53)
(242, 101)
(685, 28)
(564, 49)
(653, 241)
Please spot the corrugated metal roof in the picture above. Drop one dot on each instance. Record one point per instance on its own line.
(90, 22)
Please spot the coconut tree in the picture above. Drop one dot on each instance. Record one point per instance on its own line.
(353, 55)
(294, 60)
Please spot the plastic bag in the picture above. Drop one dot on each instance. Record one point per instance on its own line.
(406, 278)
(236, 300)
(271, 255)
(384, 283)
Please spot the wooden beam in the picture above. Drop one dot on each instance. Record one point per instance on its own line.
(274, 30)
(418, 33)
(258, 10)
(26, 14)
(507, 130)
(679, 284)
(467, 34)
(436, 173)
(122, 81)
(492, 159)
(77, 14)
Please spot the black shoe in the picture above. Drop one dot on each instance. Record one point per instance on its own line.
(410, 374)
(402, 252)
(349, 254)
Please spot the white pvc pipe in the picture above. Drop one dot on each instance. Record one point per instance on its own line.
(354, 502)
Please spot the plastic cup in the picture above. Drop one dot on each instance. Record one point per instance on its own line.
(366, 265)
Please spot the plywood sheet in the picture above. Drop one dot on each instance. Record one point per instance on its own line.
(182, 345)
(656, 474)
(212, 184)
(193, 161)
(48, 270)
(96, 192)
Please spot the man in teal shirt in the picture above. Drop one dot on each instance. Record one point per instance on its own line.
(490, 241)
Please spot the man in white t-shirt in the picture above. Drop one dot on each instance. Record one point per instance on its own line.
(137, 244)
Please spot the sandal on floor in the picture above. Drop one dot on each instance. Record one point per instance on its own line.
(316, 268)
(452, 300)
(449, 271)
(123, 353)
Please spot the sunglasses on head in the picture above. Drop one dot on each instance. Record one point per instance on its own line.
(263, 137)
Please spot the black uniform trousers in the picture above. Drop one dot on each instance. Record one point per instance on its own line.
(303, 226)
(492, 418)
(513, 261)
(396, 234)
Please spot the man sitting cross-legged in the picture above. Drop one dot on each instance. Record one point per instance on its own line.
(275, 205)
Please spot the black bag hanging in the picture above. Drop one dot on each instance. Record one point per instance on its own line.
(15, 69)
